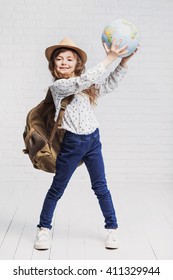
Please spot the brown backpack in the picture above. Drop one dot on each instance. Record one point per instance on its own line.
(43, 136)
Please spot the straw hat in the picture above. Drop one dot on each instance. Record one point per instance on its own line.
(69, 44)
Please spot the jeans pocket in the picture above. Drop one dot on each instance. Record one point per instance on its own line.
(71, 142)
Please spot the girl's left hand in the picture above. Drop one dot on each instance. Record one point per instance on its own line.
(126, 59)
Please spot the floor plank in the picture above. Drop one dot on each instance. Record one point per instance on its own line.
(144, 213)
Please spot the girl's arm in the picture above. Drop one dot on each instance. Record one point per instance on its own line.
(111, 82)
(65, 87)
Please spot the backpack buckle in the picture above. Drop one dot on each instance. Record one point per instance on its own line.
(63, 106)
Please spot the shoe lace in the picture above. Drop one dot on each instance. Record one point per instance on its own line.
(43, 234)
(112, 234)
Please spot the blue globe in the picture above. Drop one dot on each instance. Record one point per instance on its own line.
(125, 30)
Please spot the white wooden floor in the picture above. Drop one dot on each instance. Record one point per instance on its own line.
(144, 210)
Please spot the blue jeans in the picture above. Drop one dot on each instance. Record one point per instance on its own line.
(74, 149)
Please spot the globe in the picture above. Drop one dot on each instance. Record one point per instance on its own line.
(122, 29)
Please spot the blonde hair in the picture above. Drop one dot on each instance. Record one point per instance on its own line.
(92, 92)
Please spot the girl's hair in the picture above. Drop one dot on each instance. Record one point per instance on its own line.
(79, 69)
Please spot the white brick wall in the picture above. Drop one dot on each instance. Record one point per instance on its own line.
(136, 126)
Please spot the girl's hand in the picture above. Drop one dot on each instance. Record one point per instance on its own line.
(115, 51)
(124, 60)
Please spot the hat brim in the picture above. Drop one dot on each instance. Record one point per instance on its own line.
(49, 51)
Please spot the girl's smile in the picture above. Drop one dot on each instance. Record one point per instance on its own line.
(65, 63)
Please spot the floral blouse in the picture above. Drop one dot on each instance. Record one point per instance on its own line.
(79, 117)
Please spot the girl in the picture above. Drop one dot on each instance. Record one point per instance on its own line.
(81, 140)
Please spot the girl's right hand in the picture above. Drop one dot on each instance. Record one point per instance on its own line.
(113, 52)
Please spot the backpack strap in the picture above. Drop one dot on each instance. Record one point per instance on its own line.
(48, 98)
(58, 124)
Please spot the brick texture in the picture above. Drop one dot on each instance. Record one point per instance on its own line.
(135, 124)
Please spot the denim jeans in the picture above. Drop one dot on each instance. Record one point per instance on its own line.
(74, 149)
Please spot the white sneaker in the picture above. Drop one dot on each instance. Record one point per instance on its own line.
(111, 241)
(42, 241)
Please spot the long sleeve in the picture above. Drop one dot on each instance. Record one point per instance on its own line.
(65, 87)
(111, 82)
(97, 75)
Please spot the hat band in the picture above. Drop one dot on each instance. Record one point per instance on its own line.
(63, 49)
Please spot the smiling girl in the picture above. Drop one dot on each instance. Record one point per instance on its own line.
(82, 140)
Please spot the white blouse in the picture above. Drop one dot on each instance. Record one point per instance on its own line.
(79, 117)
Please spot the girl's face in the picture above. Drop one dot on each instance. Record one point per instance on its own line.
(65, 63)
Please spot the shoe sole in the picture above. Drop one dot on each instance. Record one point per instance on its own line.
(41, 249)
(111, 248)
